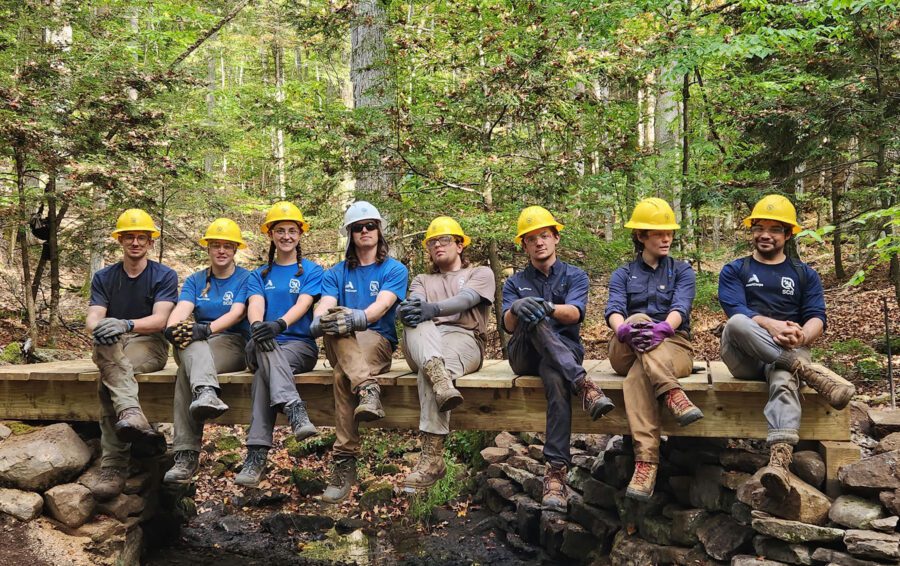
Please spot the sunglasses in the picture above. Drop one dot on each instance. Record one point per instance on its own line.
(368, 226)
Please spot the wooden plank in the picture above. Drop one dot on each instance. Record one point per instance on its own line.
(836, 454)
(411, 379)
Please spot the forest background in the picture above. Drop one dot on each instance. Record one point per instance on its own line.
(475, 109)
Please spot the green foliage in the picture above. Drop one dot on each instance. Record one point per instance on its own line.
(851, 347)
(707, 292)
(316, 445)
(228, 442)
(11, 354)
(468, 444)
(444, 491)
(871, 369)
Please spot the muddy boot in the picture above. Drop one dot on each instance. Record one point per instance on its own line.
(593, 399)
(681, 407)
(556, 494)
(836, 392)
(110, 484)
(369, 408)
(207, 404)
(187, 462)
(254, 466)
(775, 476)
(643, 481)
(133, 427)
(430, 468)
(447, 396)
(343, 477)
(299, 419)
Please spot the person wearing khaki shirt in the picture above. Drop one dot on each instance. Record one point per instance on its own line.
(445, 319)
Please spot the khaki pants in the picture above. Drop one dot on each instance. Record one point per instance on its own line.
(117, 388)
(461, 353)
(647, 376)
(198, 366)
(356, 359)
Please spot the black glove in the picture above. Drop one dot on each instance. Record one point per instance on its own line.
(200, 331)
(531, 310)
(414, 312)
(169, 333)
(315, 327)
(264, 333)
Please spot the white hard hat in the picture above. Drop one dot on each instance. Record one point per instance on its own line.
(361, 210)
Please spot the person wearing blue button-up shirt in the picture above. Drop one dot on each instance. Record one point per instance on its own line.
(649, 309)
(543, 307)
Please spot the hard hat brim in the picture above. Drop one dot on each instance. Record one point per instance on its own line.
(748, 222)
(465, 239)
(204, 241)
(648, 226)
(559, 227)
(153, 233)
(264, 227)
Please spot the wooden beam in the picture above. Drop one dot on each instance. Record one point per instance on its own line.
(836, 454)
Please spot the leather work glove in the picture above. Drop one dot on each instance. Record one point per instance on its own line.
(653, 336)
(414, 312)
(108, 330)
(342, 321)
(264, 333)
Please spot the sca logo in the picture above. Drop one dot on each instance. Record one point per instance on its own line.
(294, 286)
(787, 286)
(228, 298)
(373, 288)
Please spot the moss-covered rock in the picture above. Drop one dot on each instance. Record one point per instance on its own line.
(11, 354)
(386, 469)
(230, 460)
(18, 427)
(229, 442)
(315, 445)
(307, 481)
(378, 493)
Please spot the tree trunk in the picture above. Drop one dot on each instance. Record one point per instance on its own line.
(688, 228)
(838, 239)
(53, 248)
(19, 160)
(278, 134)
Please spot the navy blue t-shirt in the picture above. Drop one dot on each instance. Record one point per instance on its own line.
(218, 300)
(357, 289)
(281, 289)
(772, 291)
(132, 298)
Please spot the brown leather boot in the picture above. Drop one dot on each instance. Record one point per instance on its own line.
(447, 396)
(643, 481)
(110, 484)
(430, 468)
(556, 494)
(836, 392)
(133, 426)
(775, 476)
(369, 408)
(593, 399)
(681, 407)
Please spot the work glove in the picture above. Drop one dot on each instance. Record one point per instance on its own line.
(652, 336)
(108, 330)
(315, 327)
(531, 310)
(342, 321)
(627, 332)
(264, 333)
(414, 312)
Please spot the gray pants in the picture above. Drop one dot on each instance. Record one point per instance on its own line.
(461, 353)
(273, 384)
(198, 366)
(748, 351)
(118, 389)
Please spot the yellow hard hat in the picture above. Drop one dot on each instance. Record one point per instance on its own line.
(774, 207)
(652, 214)
(445, 226)
(135, 220)
(223, 229)
(533, 218)
(281, 211)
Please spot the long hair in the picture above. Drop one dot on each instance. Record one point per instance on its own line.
(380, 255)
(463, 258)
(638, 245)
(265, 272)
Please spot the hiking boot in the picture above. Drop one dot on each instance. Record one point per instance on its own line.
(187, 462)
(207, 404)
(299, 419)
(681, 407)
(593, 399)
(836, 392)
(430, 467)
(369, 408)
(133, 426)
(110, 484)
(254, 466)
(775, 476)
(643, 481)
(556, 494)
(343, 477)
(447, 396)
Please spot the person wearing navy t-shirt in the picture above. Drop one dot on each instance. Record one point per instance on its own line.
(130, 302)
(280, 298)
(356, 316)
(776, 309)
(211, 344)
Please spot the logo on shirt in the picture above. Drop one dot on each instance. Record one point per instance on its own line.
(787, 286)
(753, 282)
(269, 284)
(228, 298)
(295, 286)
(349, 288)
(524, 288)
(461, 283)
(373, 288)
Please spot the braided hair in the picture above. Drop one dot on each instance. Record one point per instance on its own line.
(265, 272)
(208, 282)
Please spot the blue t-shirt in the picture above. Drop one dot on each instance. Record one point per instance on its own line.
(358, 288)
(218, 300)
(771, 290)
(132, 298)
(281, 289)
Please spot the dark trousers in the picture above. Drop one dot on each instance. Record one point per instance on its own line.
(541, 351)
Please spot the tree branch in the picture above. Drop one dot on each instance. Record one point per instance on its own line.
(209, 33)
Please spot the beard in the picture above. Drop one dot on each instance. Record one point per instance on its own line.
(770, 253)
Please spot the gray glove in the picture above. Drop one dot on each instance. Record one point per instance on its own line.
(109, 328)
(342, 321)
(315, 328)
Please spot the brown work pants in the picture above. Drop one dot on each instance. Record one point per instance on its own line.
(356, 360)
(647, 377)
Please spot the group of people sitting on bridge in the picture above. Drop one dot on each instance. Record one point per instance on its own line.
(227, 319)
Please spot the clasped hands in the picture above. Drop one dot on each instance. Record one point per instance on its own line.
(339, 321)
(644, 335)
(786, 333)
(531, 310)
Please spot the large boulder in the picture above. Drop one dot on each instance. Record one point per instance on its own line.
(23, 505)
(889, 443)
(881, 472)
(831, 556)
(884, 422)
(786, 552)
(872, 544)
(70, 503)
(43, 458)
(723, 537)
(804, 503)
(810, 467)
(793, 531)
(854, 512)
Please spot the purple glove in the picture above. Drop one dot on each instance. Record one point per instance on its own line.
(652, 337)
(627, 332)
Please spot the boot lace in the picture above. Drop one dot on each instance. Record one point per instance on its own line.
(184, 458)
(590, 393)
(678, 401)
(555, 482)
(643, 472)
(781, 456)
(110, 473)
(339, 471)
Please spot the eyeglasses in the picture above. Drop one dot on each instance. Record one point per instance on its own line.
(774, 230)
(368, 226)
(139, 238)
(286, 232)
(222, 246)
(546, 235)
(440, 241)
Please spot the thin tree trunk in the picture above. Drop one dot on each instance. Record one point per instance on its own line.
(838, 234)
(53, 247)
(30, 313)
(688, 228)
(278, 134)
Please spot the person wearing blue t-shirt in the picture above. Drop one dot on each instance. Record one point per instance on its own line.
(130, 302)
(356, 316)
(211, 344)
(280, 298)
(776, 309)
